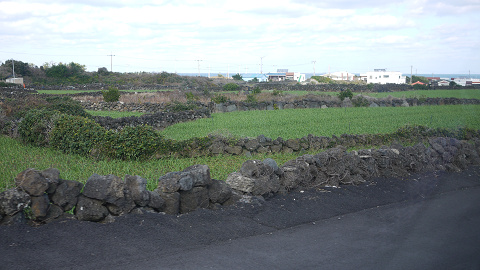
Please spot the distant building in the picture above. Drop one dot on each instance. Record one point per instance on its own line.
(382, 76)
(15, 80)
(295, 76)
(283, 75)
(340, 76)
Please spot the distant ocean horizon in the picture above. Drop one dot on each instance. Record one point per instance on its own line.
(308, 75)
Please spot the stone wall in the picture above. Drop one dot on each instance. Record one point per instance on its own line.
(42, 196)
(158, 120)
(313, 102)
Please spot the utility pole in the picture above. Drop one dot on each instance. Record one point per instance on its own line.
(228, 71)
(411, 74)
(261, 64)
(111, 61)
(314, 61)
(198, 67)
(13, 68)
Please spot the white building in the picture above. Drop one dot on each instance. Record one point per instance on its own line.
(382, 76)
(15, 80)
(295, 76)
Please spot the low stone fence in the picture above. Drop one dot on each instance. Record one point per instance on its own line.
(42, 196)
(231, 106)
(158, 120)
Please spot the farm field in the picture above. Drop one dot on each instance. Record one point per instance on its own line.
(297, 123)
(458, 93)
(16, 157)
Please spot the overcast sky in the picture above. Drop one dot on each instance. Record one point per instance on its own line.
(237, 36)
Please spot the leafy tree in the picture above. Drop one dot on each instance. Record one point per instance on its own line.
(64, 71)
(111, 95)
(21, 68)
(231, 87)
(452, 84)
(419, 79)
(237, 77)
(344, 94)
(254, 80)
(102, 71)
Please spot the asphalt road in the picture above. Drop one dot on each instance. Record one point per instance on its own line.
(425, 221)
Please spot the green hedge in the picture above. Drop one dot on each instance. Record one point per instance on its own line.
(132, 143)
(36, 126)
(77, 135)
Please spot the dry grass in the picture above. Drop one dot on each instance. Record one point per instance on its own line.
(180, 96)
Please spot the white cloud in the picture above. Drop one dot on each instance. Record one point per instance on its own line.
(288, 31)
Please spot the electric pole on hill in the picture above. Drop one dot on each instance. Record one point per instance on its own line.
(111, 61)
(198, 67)
(261, 64)
(314, 61)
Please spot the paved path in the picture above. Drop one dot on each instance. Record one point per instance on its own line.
(425, 221)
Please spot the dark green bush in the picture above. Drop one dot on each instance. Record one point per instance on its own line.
(191, 97)
(231, 87)
(360, 101)
(218, 98)
(76, 135)
(257, 90)
(277, 93)
(251, 98)
(112, 94)
(66, 105)
(344, 94)
(132, 143)
(177, 106)
(36, 126)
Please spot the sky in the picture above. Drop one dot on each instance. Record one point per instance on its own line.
(191, 36)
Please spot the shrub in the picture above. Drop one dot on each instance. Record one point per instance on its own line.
(322, 79)
(231, 87)
(131, 143)
(177, 106)
(220, 99)
(76, 135)
(237, 77)
(360, 101)
(277, 93)
(66, 105)
(191, 97)
(344, 94)
(257, 90)
(36, 126)
(111, 95)
(251, 98)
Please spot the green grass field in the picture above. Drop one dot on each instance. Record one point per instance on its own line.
(114, 114)
(16, 157)
(459, 93)
(297, 123)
